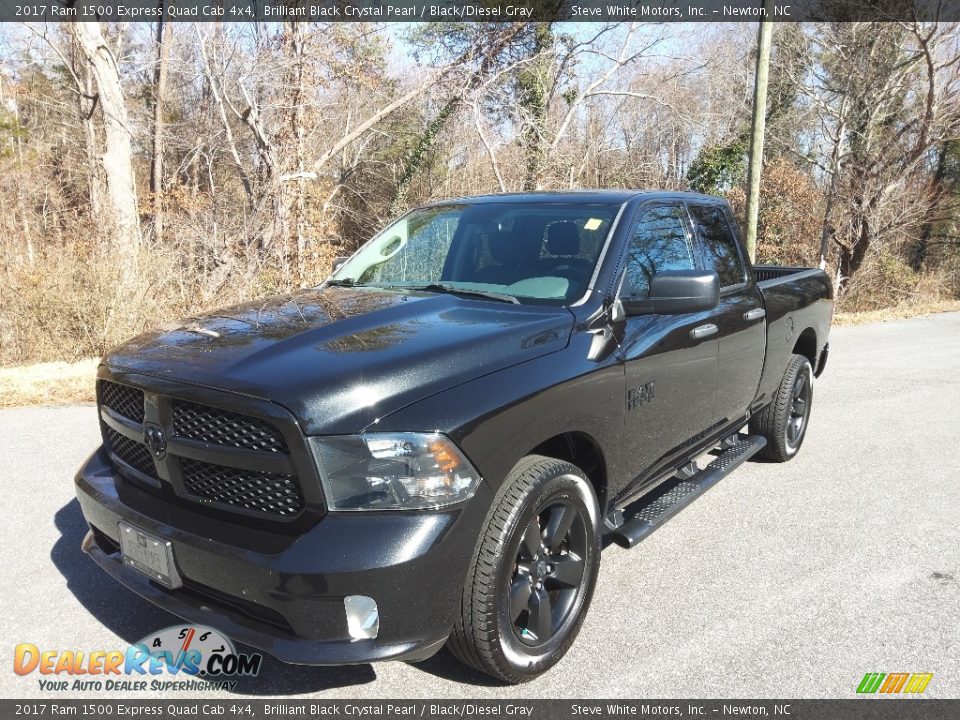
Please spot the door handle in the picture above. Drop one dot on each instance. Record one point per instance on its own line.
(755, 314)
(703, 331)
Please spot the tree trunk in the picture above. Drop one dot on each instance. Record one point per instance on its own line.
(18, 145)
(297, 57)
(418, 155)
(117, 159)
(827, 229)
(918, 255)
(164, 40)
(86, 107)
(533, 84)
(853, 254)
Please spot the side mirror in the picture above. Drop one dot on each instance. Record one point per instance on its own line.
(676, 292)
(338, 261)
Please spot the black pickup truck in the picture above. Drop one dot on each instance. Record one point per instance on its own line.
(430, 447)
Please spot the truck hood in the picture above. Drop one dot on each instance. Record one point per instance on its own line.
(341, 358)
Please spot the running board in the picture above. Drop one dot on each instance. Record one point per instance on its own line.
(647, 515)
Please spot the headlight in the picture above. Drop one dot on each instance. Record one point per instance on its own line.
(392, 471)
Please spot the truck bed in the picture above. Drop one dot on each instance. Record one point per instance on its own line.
(799, 305)
(767, 274)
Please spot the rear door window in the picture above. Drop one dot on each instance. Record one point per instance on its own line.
(720, 250)
(660, 242)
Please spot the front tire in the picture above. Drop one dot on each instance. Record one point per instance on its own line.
(784, 421)
(532, 577)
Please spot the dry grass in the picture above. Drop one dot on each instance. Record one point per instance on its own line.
(897, 312)
(74, 302)
(53, 383)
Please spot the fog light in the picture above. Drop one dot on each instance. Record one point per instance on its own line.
(363, 619)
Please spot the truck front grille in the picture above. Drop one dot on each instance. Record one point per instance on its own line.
(259, 491)
(133, 453)
(220, 427)
(203, 474)
(122, 399)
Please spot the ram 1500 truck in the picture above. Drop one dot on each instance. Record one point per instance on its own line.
(430, 447)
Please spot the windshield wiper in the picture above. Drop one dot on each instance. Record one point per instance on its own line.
(345, 282)
(453, 290)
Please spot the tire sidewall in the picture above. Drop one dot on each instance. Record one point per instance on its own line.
(802, 367)
(570, 485)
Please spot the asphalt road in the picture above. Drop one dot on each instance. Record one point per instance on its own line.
(783, 581)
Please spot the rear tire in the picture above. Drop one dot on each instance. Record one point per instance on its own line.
(784, 421)
(533, 574)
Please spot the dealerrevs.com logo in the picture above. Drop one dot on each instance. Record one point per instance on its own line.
(199, 658)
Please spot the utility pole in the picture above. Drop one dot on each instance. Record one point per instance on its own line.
(758, 126)
(164, 40)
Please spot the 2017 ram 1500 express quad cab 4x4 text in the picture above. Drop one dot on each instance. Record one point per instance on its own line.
(429, 447)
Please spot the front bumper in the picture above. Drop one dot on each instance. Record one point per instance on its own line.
(283, 593)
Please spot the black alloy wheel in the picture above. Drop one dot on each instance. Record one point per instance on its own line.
(531, 580)
(549, 572)
(799, 411)
(784, 421)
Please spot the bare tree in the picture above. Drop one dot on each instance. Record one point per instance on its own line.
(888, 94)
(117, 159)
(164, 40)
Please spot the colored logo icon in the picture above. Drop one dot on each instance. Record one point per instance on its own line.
(894, 683)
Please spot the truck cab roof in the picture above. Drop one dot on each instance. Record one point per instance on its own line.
(580, 196)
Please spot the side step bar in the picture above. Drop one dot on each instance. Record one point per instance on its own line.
(647, 515)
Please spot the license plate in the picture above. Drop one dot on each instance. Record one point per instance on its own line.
(151, 555)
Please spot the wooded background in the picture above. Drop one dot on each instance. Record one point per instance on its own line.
(150, 171)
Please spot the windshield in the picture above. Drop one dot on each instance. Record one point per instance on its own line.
(538, 251)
